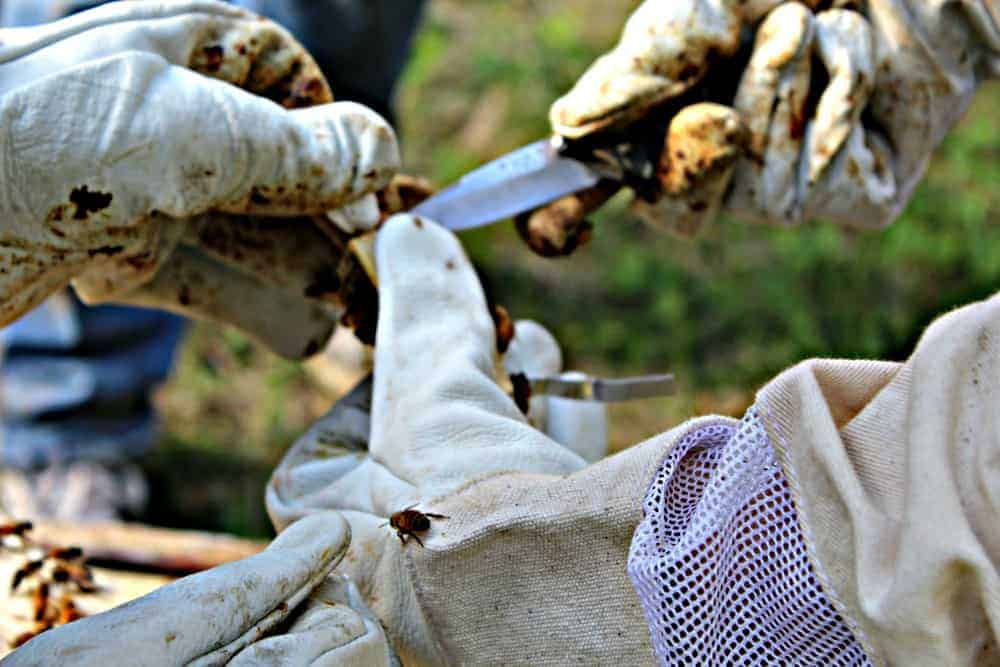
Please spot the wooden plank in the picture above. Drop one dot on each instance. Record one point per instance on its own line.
(145, 548)
(145, 559)
(114, 587)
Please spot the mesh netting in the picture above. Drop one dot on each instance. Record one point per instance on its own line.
(720, 565)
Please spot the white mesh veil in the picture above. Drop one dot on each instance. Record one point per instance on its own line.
(721, 566)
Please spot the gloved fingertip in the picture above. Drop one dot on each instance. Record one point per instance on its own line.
(376, 149)
(602, 99)
(704, 141)
(533, 351)
(305, 532)
(406, 241)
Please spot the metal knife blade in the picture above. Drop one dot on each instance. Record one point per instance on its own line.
(524, 179)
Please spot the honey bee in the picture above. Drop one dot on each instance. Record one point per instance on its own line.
(40, 602)
(66, 553)
(18, 529)
(66, 567)
(80, 575)
(25, 571)
(68, 611)
(408, 522)
(25, 637)
(522, 391)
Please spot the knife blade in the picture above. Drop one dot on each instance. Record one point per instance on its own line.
(519, 181)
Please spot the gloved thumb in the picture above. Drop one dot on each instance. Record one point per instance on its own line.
(704, 142)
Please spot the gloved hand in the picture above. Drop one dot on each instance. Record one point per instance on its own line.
(835, 115)
(156, 153)
(433, 421)
(219, 616)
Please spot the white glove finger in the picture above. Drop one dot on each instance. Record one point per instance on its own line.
(333, 629)
(858, 188)
(580, 426)
(664, 49)
(439, 418)
(771, 99)
(194, 284)
(204, 143)
(844, 45)
(212, 38)
(22, 42)
(293, 272)
(206, 618)
(533, 351)
(850, 175)
(160, 139)
(290, 253)
(703, 143)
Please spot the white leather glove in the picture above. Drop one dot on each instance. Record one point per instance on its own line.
(144, 146)
(437, 421)
(220, 616)
(835, 115)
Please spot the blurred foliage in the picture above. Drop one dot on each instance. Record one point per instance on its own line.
(725, 312)
(230, 411)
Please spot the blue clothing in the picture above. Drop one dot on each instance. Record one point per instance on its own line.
(361, 45)
(76, 380)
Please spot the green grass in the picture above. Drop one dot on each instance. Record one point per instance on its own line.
(725, 312)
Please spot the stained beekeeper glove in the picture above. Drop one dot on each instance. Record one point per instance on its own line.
(438, 421)
(846, 519)
(220, 616)
(835, 115)
(158, 154)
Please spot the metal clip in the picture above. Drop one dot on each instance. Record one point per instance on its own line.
(605, 390)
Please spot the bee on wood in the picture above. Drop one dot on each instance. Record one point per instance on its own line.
(68, 611)
(25, 637)
(17, 529)
(66, 553)
(40, 602)
(25, 571)
(66, 568)
(79, 575)
(407, 523)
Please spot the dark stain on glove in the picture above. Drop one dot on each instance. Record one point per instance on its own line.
(88, 202)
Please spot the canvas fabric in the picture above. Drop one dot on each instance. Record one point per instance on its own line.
(896, 473)
(893, 471)
(721, 565)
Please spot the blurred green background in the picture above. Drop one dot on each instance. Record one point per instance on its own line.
(725, 312)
